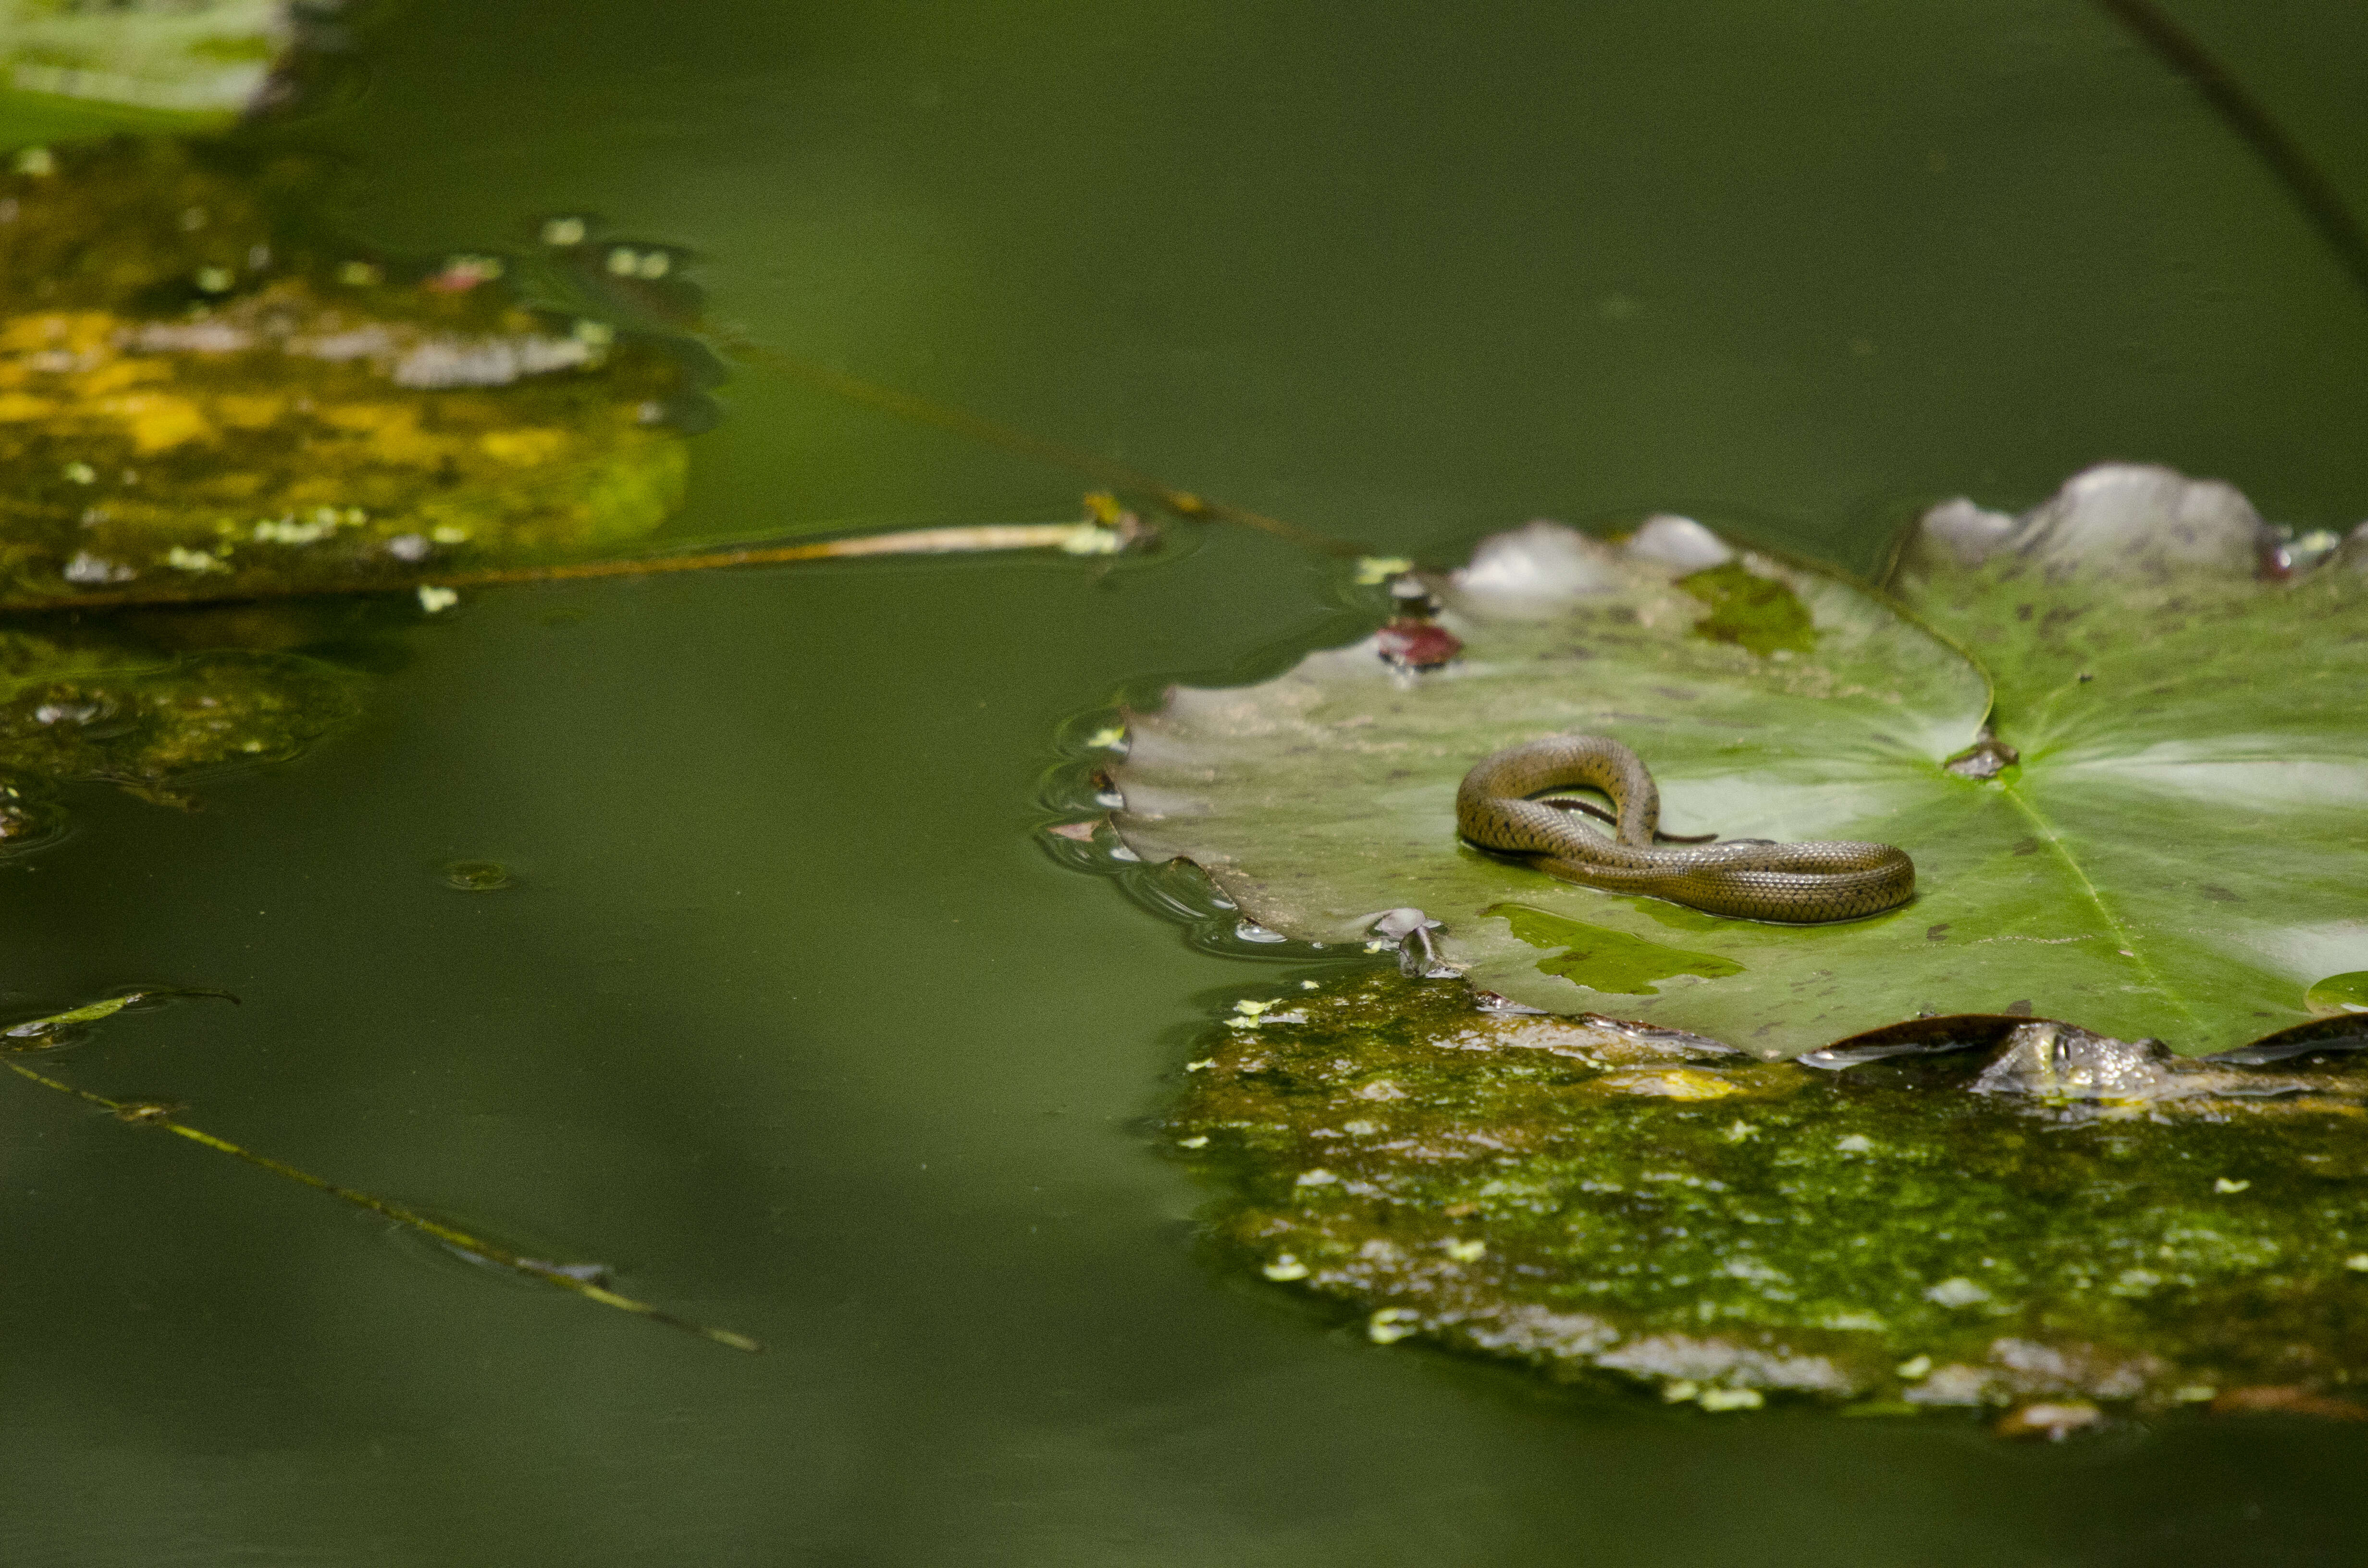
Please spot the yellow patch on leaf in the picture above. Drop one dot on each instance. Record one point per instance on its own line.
(1673, 1083)
(159, 421)
(76, 332)
(244, 411)
(393, 431)
(525, 448)
(114, 375)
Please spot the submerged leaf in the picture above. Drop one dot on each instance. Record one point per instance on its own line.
(108, 706)
(2054, 1216)
(2161, 838)
(152, 722)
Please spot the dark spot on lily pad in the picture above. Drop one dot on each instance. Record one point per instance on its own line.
(1745, 608)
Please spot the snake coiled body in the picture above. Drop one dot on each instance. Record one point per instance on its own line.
(1796, 883)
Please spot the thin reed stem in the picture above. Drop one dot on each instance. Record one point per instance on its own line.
(550, 1274)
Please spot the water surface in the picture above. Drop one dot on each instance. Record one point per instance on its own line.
(787, 1017)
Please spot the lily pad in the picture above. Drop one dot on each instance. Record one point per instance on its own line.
(200, 389)
(202, 60)
(2048, 1214)
(2154, 831)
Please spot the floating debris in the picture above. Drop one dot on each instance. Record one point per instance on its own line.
(2054, 1420)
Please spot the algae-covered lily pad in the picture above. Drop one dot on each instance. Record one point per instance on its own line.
(2044, 1214)
(2154, 831)
(200, 389)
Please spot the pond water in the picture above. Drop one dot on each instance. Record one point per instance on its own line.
(786, 1014)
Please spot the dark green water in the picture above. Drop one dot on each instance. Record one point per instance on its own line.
(790, 1019)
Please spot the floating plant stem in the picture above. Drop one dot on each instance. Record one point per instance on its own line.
(1184, 504)
(1088, 538)
(148, 1113)
(1071, 539)
(2319, 198)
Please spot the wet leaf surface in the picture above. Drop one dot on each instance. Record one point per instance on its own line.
(2046, 1216)
(2193, 752)
(2161, 837)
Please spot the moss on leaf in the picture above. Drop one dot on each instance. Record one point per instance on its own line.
(1925, 1231)
(1755, 612)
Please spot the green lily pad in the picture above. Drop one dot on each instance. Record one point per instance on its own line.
(2162, 837)
(2340, 992)
(197, 61)
(201, 391)
(2047, 1214)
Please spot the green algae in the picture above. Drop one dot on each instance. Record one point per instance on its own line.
(1610, 961)
(206, 395)
(1750, 611)
(1922, 1231)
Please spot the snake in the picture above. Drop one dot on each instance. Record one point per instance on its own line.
(1805, 883)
